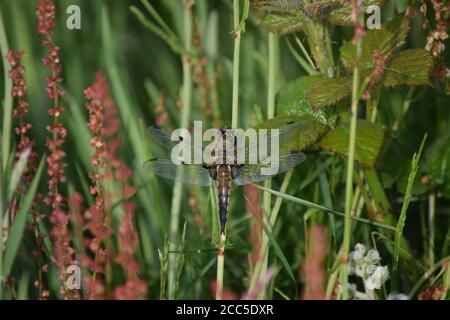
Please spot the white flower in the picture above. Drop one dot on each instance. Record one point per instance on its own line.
(372, 257)
(378, 278)
(358, 254)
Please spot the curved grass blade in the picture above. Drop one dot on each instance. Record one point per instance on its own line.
(402, 219)
(313, 205)
(278, 250)
(17, 172)
(18, 225)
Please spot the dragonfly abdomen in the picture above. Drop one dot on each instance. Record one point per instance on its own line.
(223, 184)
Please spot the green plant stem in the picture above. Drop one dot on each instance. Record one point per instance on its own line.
(305, 53)
(349, 180)
(405, 107)
(426, 276)
(431, 232)
(220, 266)
(234, 125)
(178, 187)
(305, 65)
(446, 282)
(236, 62)
(267, 198)
(7, 102)
(1, 223)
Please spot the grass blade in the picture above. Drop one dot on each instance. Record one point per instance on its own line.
(18, 172)
(7, 102)
(313, 205)
(279, 253)
(18, 225)
(402, 219)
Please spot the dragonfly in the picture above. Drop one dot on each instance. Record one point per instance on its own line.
(223, 174)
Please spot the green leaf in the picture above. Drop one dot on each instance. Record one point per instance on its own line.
(370, 138)
(329, 91)
(341, 16)
(309, 133)
(282, 23)
(385, 40)
(18, 225)
(292, 99)
(17, 172)
(437, 166)
(411, 67)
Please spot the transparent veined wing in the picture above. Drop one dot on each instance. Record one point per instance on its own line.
(286, 140)
(192, 174)
(251, 173)
(164, 138)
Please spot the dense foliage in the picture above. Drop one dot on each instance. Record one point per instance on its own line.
(366, 216)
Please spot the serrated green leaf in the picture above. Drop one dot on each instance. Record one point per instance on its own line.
(292, 99)
(410, 67)
(310, 131)
(328, 91)
(341, 16)
(282, 23)
(370, 138)
(385, 40)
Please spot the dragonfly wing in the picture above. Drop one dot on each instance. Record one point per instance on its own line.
(286, 139)
(251, 173)
(164, 138)
(192, 174)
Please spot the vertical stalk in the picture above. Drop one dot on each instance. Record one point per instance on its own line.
(268, 218)
(267, 197)
(7, 102)
(178, 187)
(431, 215)
(1, 223)
(220, 266)
(270, 114)
(5, 136)
(234, 125)
(236, 61)
(349, 180)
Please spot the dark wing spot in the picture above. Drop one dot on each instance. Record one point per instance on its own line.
(182, 162)
(181, 138)
(291, 122)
